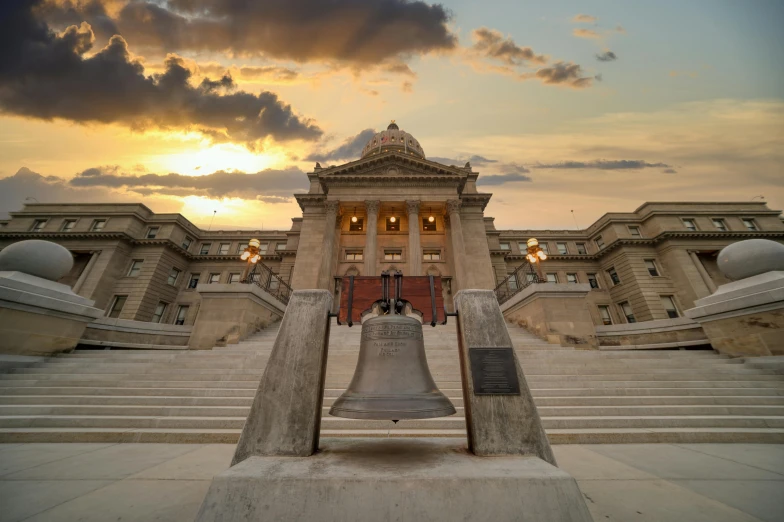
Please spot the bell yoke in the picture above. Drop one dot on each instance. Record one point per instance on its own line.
(392, 380)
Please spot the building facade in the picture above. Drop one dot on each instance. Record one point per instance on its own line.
(393, 209)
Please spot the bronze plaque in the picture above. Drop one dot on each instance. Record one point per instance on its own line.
(494, 371)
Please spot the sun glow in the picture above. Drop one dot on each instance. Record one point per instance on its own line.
(223, 156)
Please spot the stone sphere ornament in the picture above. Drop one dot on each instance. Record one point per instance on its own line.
(751, 257)
(39, 258)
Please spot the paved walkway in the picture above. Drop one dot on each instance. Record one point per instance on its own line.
(167, 482)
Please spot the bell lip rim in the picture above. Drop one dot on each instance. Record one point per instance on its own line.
(392, 415)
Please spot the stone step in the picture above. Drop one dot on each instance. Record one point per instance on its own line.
(588, 422)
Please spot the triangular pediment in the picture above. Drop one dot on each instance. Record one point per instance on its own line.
(392, 164)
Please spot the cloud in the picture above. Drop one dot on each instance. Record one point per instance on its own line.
(407, 87)
(475, 160)
(349, 31)
(669, 171)
(602, 165)
(584, 19)
(567, 74)
(48, 76)
(500, 179)
(351, 148)
(585, 33)
(270, 186)
(492, 44)
(607, 56)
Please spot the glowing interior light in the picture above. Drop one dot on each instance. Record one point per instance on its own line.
(353, 219)
(392, 219)
(431, 219)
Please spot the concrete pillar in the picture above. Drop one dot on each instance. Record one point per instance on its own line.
(706, 278)
(371, 231)
(286, 413)
(414, 246)
(86, 272)
(458, 245)
(328, 245)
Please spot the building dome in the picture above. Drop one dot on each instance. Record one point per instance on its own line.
(393, 139)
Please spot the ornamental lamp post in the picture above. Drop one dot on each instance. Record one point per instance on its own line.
(252, 256)
(535, 256)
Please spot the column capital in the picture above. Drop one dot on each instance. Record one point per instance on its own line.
(332, 206)
(413, 206)
(372, 206)
(453, 205)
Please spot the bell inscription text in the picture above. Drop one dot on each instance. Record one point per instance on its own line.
(494, 371)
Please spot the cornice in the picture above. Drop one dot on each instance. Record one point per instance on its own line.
(392, 157)
(310, 200)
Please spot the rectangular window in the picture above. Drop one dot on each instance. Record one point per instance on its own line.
(614, 276)
(193, 282)
(280, 246)
(152, 232)
(39, 225)
(68, 225)
(669, 306)
(635, 232)
(136, 267)
(205, 248)
(552, 278)
(750, 224)
(529, 277)
(234, 277)
(593, 281)
(98, 225)
(523, 246)
(117, 305)
(571, 278)
(432, 255)
(719, 224)
(545, 248)
(427, 225)
(627, 312)
(599, 242)
(505, 246)
(354, 255)
(263, 248)
(562, 248)
(604, 313)
(160, 310)
(182, 313)
(356, 226)
(393, 224)
(393, 255)
(174, 276)
(650, 264)
(187, 242)
(223, 249)
(214, 278)
(581, 249)
(689, 223)
(241, 247)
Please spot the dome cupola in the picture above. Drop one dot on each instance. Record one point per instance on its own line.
(393, 139)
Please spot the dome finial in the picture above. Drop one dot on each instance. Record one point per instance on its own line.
(393, 126)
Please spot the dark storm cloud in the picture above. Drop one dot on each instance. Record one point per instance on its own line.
(268, 185)
(351, 148)
(607, 56)
(500, 179)
(46, 76)
(354, 31)
(491, 43)
(562, 73)
(602, 165)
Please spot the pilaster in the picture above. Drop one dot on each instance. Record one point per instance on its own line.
(414, 245)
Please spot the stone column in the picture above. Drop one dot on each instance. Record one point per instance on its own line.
(86, 272)
(414, 246)
(328, 245)
(371, 230)
(458, 245)
(706, 278)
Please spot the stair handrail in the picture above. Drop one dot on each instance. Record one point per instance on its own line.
(262, 276)
(516, 282)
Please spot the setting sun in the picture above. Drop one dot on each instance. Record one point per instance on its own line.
(224, 156)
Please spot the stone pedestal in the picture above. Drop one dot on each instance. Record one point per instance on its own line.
(556, 312)
(230, 312)
(746, 317)
(39, 316)
(368, 480)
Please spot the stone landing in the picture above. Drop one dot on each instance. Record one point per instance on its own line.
(366, 480)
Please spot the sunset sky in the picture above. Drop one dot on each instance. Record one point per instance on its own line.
(196, 106)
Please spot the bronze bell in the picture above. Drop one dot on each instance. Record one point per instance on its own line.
(392, 380)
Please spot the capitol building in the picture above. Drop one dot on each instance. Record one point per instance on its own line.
(392, 209)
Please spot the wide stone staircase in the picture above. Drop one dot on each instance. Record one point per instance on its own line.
(583, 396)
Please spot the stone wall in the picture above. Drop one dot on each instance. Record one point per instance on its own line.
(662, 333)
(122, 333)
